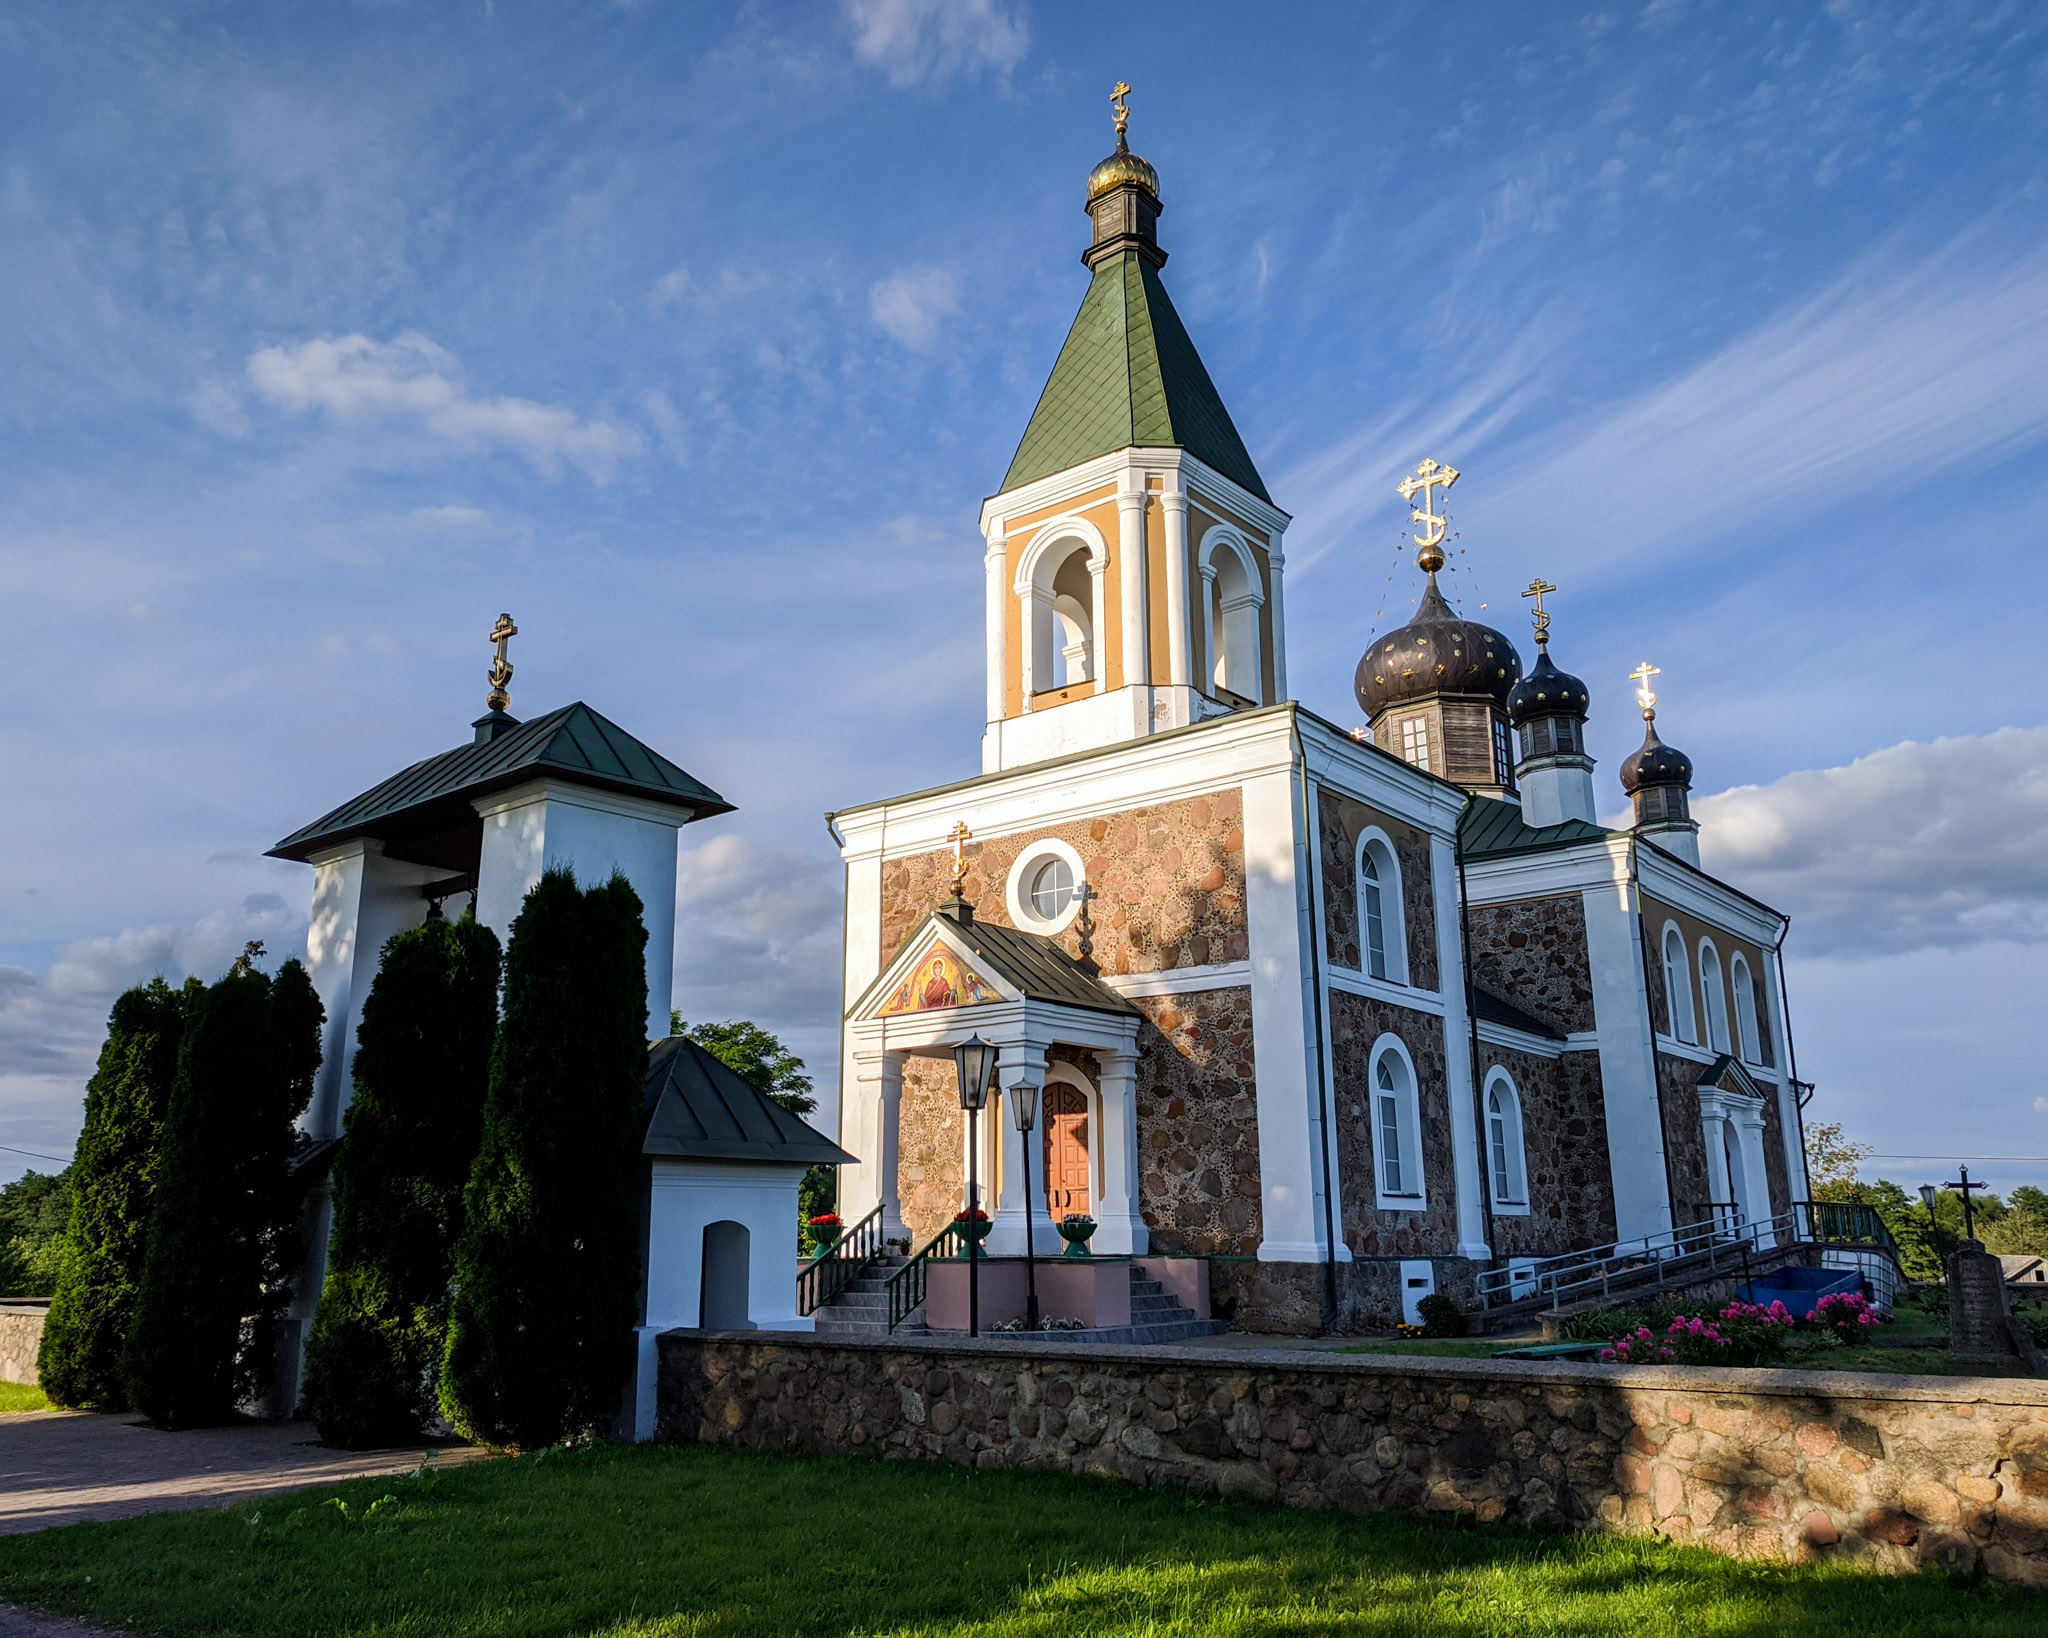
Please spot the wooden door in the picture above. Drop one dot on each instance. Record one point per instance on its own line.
(1066, 1152)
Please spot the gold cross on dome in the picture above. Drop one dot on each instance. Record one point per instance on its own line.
(1429, 476)
(500, 674)
(1537, 588)
(1641, 678)
(1116, 101)
(959, 836)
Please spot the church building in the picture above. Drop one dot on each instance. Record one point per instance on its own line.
(1352, 1016)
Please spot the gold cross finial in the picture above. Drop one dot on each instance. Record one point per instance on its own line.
(1430, 537)
(959, 836)
(1644, 696)
(1116, 101)
(500, 674)
(1537, 588)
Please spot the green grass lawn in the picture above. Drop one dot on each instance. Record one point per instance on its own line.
(21, 1396)
(690, 1543)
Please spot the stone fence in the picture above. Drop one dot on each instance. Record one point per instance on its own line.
(21, 1334)
(1885, 1471)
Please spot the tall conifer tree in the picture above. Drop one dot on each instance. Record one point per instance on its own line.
(224, 1234)
(540, 1335)
(423, 1061)
(113, 1182)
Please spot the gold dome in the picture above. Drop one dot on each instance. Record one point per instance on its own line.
(1121, 168)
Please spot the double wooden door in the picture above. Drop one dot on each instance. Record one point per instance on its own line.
(1066, 1152)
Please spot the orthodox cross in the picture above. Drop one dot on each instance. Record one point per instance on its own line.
(1430, 537)
(1085, 925)
(1116, 101)
(1963, 1186)
(1641, 678)
(959, 836)
(1537, 588)
(500, 673)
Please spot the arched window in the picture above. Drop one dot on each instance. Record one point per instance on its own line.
(1396, 1128)
(1382, 925)
(1713, 998)
(1232, 594)
(1059, 579)
(1747, 1035)
(1678, 987)
(1507, 1163)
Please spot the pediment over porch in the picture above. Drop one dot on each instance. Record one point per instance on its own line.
(954, 963)
(1726, 1074)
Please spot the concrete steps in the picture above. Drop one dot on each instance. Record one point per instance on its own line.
(862, 1310)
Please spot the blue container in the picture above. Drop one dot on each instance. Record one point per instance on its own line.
(1801, 1289)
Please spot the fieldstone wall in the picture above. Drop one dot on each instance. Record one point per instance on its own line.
(1356, 1021)
(1170, 880)
(1890, 1473)
(931, 1175)
(1341, 821)
(1198, 1124)
(1685, 1140)
(21, 1337)
(1778, 1180)
(1533, 953)
(1564, 1143)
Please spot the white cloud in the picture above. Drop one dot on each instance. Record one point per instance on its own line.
(358, 380)
(1914, 847)
(913, 304)
(913, 40)
(2042, 1105)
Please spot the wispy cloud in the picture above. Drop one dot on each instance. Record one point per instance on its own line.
(914, 40)
(913, 305)
(357, 380)
(1914, 847)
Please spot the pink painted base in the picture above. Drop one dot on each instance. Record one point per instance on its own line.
(1094, 1291)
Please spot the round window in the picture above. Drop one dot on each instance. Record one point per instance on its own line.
(1052, 888)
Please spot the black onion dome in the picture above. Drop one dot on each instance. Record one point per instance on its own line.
(1655, 764)
(1547, 692)
(1436, 653)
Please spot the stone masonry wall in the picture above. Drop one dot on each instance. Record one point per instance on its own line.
(21, 1336)
(930, 1172)
(1341, 822)
(1198, 1124)
(1170, 880)
(1774, 1155)
(1356, 1021)
(1685, 1140)
(1889, 1473)
(1533, 952)
(1564, 1142)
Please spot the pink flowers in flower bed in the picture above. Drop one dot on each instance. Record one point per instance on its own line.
(1640, 1347)
(1848, 1314)
(1742, 1334)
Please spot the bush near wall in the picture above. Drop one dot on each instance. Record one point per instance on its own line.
(540, 1335)
(422, 1067)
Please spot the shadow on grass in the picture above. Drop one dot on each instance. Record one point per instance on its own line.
(685, 1543)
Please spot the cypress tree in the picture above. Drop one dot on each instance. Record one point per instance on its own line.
(540, 1334)
(113, 1181)
(423, 1058)
(224, 1232)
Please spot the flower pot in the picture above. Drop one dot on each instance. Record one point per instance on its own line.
(1077, 1231)
(974, 1232)
(825, 1236)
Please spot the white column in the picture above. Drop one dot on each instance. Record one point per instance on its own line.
(1207, 681)
(1779, 1085)
(1010, 1208)
(1459, 1071)
(1720, 1186)
(1755, 1195)
(1120, 1222)
(1174, 499)
(1276, 563)
(1628, 1067)
(1130, 542)
(995, 568)
(871, 1129)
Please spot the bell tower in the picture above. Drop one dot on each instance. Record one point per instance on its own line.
(1133, 556)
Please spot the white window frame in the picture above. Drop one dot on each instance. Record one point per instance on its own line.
(1748, 1037)
(1510, 1196)
(1017, 890)
(1376, 843)
(1713, 999)
(1678, 987)
(1414, 738)
(1407, 1099)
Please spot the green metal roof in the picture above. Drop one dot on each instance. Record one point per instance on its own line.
(1491, 826)
(1129, 376)
(573, 744)
(1489, 1008)
(1039, 967)
(698, 1108)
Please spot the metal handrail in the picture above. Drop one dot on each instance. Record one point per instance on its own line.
(907, 1284)
(833, 1269)
(1849, 1222)
(1657, 1256)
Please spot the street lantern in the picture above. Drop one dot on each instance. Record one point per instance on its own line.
(1024, 1109)
(974, 1064)
(1927, 1193)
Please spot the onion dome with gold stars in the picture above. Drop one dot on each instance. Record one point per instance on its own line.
(1547, 692)
(1438, 652)
(1655, 763)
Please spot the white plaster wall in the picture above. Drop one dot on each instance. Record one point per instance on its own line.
(1628, 1067)
(548, 825)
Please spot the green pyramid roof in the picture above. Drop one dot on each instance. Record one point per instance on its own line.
(1129, 375)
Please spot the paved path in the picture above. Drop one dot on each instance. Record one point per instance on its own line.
(57, 1467)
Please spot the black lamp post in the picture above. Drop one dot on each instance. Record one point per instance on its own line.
(974, 1064)
(1024, 1108)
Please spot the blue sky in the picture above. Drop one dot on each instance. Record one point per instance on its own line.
(695, 335)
